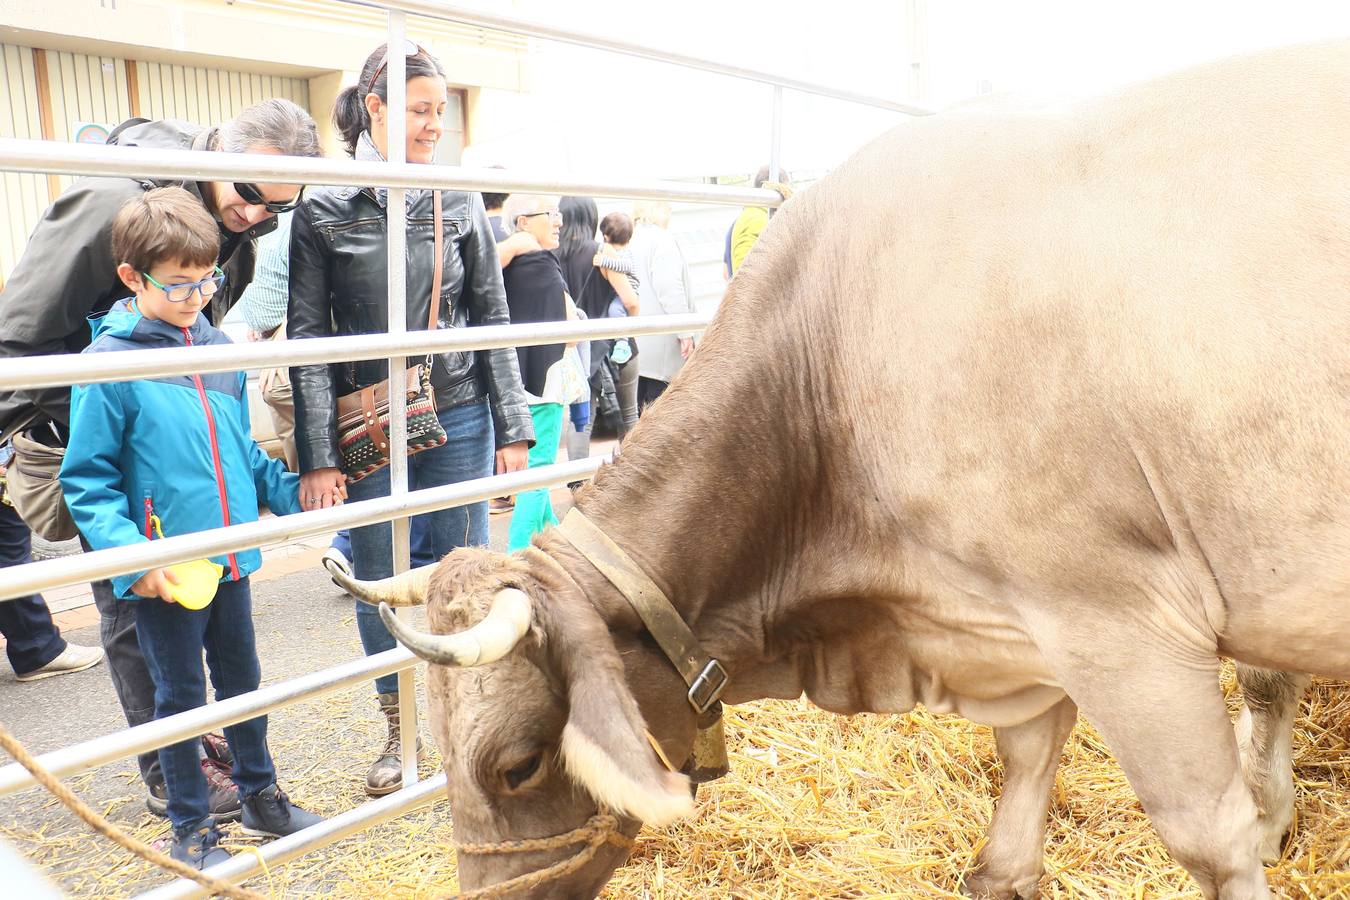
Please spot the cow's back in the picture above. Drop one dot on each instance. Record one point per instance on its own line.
(1102, 335)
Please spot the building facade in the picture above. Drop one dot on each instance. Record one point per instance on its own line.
(72, 69)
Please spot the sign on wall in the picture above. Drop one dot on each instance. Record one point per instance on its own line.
(90, 132)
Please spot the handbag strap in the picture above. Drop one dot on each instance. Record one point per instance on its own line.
(439, 237)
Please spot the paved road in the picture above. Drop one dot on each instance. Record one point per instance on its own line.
(303, 623)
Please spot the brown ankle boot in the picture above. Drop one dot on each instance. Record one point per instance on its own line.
(386, 773)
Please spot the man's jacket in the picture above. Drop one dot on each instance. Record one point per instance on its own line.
(339, 284)
(176, 448)
(67, 271)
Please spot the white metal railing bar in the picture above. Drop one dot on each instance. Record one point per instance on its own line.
(90, 754)
(329, 831)
(34, 577)
(73, 368)
(450, 12)
(22, 879)
(58, 157)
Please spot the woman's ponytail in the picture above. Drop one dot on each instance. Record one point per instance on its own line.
(351, 117)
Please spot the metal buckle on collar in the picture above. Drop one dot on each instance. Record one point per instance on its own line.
(707, 687)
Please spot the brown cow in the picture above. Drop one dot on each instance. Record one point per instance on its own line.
(1013, 415)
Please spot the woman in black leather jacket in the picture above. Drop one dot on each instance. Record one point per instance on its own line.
(338, 284)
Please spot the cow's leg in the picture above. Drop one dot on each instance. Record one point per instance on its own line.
(1158, 704)
(1011, 863)
(1265, 731)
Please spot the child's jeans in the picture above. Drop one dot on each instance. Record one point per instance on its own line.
(172, 638)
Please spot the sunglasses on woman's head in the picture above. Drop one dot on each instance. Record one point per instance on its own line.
(253, 197)
(410, 49)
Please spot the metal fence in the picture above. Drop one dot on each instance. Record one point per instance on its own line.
(398, 176)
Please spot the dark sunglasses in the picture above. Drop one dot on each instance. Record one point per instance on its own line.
(410, 49)
(253, 197)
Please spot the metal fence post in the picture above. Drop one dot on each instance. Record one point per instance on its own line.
(396, 65)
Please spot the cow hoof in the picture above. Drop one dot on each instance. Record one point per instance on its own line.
(981, 886)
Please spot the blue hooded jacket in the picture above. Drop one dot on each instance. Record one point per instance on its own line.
(177, 447)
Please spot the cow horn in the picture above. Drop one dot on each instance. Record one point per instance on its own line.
(502, 628)
(406, 589)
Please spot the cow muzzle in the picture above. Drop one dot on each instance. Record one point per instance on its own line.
(506, 622)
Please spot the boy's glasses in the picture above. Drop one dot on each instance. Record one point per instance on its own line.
(253, 197)
(181, 293)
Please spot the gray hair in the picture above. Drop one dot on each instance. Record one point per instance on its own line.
(518, 205)
(277, 125)
(652, 212)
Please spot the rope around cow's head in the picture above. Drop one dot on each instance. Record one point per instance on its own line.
(600, 829)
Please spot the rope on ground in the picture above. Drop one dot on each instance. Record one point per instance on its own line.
(111, 831)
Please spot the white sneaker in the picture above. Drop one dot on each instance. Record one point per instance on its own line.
(334, 560)
(72, 659)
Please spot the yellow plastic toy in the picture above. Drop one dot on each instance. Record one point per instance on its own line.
(197, 580)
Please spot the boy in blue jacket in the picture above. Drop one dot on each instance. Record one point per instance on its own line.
(175, 454)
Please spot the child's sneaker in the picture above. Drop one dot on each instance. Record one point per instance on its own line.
(198, 846)
(270, 813)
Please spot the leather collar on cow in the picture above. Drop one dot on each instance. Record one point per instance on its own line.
(704, 675)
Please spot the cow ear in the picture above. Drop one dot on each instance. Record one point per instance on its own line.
(604, 743)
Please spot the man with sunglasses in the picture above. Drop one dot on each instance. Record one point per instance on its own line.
(67, 273)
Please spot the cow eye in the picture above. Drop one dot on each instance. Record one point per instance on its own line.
(523, 771)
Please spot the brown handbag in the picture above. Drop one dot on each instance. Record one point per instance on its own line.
(363, 416)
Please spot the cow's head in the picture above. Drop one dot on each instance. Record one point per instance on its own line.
(538, 707)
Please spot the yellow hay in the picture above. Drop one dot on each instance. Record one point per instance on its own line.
(817, 806)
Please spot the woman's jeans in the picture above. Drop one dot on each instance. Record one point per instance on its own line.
(469, 452)
(172, 638)
(534, 509)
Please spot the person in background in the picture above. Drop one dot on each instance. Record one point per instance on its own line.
(264, 306)
(493, 204)
(753, 220)
(593, 277)
(536, 292)
(338, 263)
(726, 252)
(617, 230)
(124, 437)
(68, 272)
(664, 289)
(33, 643)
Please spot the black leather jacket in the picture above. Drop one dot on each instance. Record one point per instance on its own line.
(338, 284)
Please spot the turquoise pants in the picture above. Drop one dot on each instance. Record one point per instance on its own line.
(534, 509)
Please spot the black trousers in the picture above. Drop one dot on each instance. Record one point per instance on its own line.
(130, 677)
(648, 390)
(31, 637)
